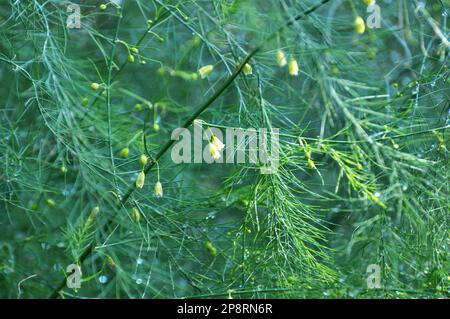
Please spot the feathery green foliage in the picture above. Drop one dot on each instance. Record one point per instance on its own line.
(364, 168)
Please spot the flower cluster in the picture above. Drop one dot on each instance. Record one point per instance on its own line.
(140, 180)
(215, 146)
(282, 61)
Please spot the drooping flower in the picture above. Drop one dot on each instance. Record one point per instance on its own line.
(360, 26)
(205, 70)
(140, 180)
(95, 86)
(124, 152)
(217, 143)
(135, 215)
(158, 190)
(247, 69)
(213, 151)
(143, 159)
(281, 58)
(293, 68)
(63, 170)
(50, 202)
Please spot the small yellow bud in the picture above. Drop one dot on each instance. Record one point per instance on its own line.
(161, 71)
(196, 40)
(50, 202)
(158, 190)
(205, 71)
(140, 180)
(63, 169)
(217, 143)
(247, 69)
(143, 160)
(311, 164)
(359, 24)
(281, 58)
(293, 68)
(291, 279)
(155, 127)
(369, 2)
(130, 58)
(307, 152)
(85, 101)
(334, 70)
(138, 107)
(95, 86)
(211, 249)
(213, 151)
(134, 50)
(135, 215)
(124, 152)
(102, 7)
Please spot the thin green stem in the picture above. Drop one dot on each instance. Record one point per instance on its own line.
(108, 94)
